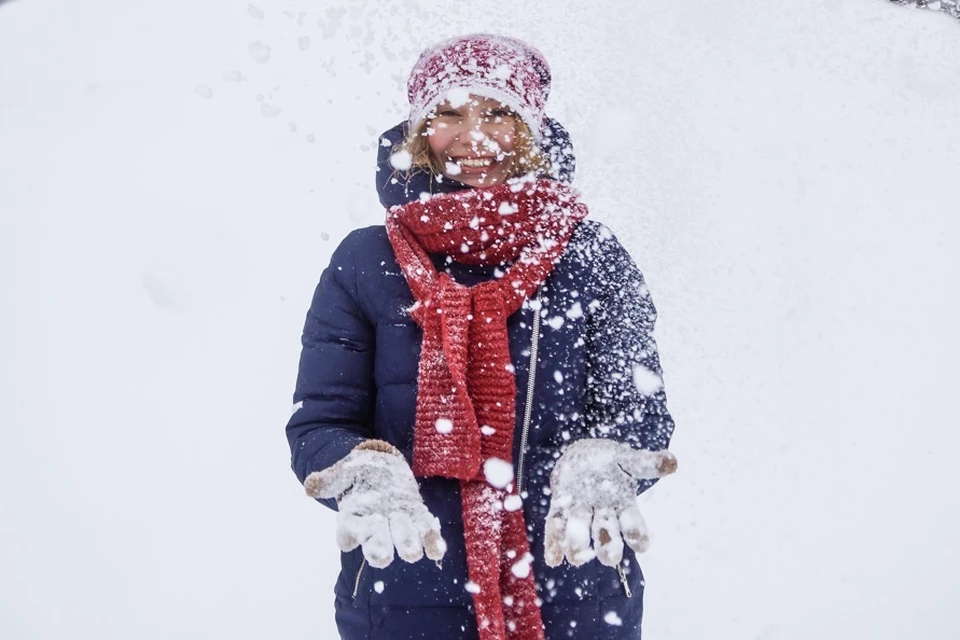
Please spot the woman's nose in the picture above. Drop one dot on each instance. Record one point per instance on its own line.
(471, 130)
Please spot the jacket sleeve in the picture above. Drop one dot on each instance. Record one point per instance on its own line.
(626, 400)
(335, 391)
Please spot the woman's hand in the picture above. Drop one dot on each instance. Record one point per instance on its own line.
(594, 497)
(380, 507)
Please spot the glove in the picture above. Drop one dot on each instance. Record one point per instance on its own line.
(379, 504)
(594, 496)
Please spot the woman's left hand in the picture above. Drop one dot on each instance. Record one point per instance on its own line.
(593, 506)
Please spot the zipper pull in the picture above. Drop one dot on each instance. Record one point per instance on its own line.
(623, 581)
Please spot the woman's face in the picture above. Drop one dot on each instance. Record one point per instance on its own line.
(474, 141)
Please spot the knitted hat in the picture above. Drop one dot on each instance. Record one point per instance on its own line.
(498, 67)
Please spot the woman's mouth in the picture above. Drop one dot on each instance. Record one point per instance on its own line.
(474, 163)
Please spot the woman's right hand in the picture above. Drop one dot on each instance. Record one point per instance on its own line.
(380, 507)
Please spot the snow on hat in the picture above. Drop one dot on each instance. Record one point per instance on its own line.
(498, 67)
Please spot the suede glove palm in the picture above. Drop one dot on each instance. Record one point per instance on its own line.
(594, 498)
(380, 507)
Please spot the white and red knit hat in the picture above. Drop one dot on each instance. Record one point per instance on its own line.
(498, 67)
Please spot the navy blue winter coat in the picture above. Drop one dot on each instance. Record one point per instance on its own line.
(358, 380)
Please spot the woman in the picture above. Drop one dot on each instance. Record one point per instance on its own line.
(478, 382)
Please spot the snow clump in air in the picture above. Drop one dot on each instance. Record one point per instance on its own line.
(453, 169)
(401, 160)
(254, 12)
(443, 425)
(259, 52)
(303, 43)
(499, 473)
(204, 91)
(648, 382)
(521, 568)
(472, 587)
(269, 110)
(513, 502)
(378, 586)
(612, 619)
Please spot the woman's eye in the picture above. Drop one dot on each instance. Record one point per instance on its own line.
(447, 113)
(497, 115)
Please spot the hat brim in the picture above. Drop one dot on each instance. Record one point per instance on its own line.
(533, 120)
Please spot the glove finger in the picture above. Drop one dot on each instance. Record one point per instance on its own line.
(607, 541)
(378, 547)
(634, 529)
(429, 529)
(646, 465)
(329, 483)
(350, 530)
(554, 532)
(576, 539)
(405, 537)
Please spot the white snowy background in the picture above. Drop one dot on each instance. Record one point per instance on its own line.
(785, 174)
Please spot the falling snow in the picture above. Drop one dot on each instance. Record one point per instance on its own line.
(401, 160)
(647, 382)
(612, 619)
(785, 254)
(521, 568)
(259, 52)
(513, 502)
(269, 110)
(498, 473)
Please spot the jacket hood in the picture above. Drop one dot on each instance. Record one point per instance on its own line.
(400, 187)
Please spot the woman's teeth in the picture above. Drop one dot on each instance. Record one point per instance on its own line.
(476, 162)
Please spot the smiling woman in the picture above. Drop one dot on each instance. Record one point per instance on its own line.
(485, 409)
(474, 139)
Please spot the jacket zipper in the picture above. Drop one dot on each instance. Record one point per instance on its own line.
(623, 581)
(525, 432)
(356, 583)
(531, 379)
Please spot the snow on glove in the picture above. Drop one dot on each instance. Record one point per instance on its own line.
(379, 504)
(594, 497)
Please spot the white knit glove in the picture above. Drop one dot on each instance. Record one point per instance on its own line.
(380, 506)
(594, 496)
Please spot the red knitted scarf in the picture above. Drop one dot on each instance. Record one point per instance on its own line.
(466, 399)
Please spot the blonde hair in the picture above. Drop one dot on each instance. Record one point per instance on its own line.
(529, 157)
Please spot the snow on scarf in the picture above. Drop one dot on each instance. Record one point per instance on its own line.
(466, 399)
